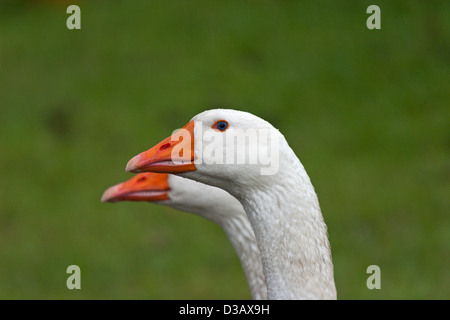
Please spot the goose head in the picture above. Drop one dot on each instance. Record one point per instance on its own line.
(221, 147)
(179, 193)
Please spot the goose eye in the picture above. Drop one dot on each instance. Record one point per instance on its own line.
(220, 125)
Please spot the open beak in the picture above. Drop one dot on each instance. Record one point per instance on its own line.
(142, 187)
(172, 155)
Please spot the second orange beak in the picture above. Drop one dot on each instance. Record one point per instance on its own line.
(141, 187)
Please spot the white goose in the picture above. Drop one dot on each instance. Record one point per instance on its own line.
(206, 201)
(281, 204)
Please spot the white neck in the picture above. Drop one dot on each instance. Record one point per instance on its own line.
(292, 236)
(242, 237)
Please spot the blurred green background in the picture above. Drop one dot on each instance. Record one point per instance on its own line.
(366, 111)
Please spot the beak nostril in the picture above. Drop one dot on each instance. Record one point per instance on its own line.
(164, 146)
(141, 179)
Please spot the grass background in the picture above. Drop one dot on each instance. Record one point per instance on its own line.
(367, 112)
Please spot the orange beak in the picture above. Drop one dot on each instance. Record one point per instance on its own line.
(142, 187)
(172, 155)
